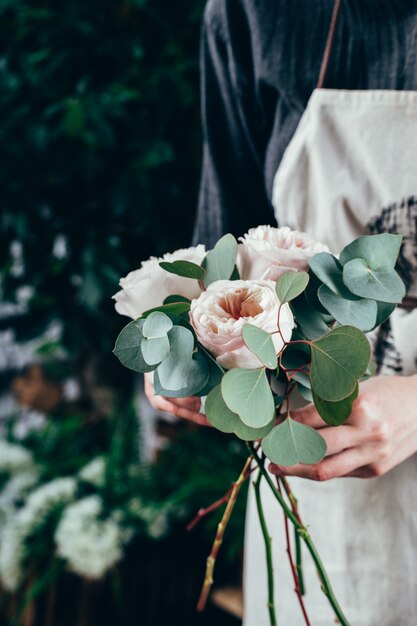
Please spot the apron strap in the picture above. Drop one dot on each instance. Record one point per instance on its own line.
(329, 44)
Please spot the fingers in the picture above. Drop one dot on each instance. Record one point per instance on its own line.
(185, 408)
(342, 464)
(339, 438)
(309, 416)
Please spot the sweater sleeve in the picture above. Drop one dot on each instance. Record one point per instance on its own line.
(233, 195)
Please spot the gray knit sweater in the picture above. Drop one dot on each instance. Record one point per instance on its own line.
(260, 61)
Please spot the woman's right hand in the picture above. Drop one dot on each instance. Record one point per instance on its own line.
(186, 408)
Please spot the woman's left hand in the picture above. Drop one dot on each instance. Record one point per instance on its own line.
(380, 433)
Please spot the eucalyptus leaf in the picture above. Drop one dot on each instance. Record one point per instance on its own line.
(222, 418)
(260, 343)
(175, 370)
(309, 320)
(175, 298)
(291, 443)
(247, 393)
(305, 392)
(384, 311)
(382, 283)
(338, 360)
(156, 325)
(198, 378)
(220, 262)
(377, 250)
(329, 271)
(187, 269)
(297, 357)
(335, 413)
(358, 312)
(290, 285)
(155, 349)
(128, 348)
(176, 307)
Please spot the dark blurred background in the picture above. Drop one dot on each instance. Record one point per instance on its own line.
(100, 153)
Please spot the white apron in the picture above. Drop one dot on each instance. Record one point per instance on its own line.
(351, 169)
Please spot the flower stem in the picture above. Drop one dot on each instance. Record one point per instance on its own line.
(268, 551)
(218, 540)
(303, 532)
(298, 555)
(297, 586)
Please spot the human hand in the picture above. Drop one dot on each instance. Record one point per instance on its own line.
(380, 433)
(186, 408)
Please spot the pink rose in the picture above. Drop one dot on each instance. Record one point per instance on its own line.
(267, 252)
(220, 313)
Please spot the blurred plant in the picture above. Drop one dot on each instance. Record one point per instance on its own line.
(74, 495)
(100, 151)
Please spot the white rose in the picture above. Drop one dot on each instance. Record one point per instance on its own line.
(267, 252)
(148, 286)
(220, 313)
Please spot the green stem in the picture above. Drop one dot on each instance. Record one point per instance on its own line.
(303, 532)
(268, 551)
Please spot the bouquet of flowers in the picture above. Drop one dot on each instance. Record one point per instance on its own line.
(248, 324)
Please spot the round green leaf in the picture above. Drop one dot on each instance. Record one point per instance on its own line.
(156, 325)
(377, 250)
(247, 393)
(187, 269)
(328, 269)
(260, 343)
(128, 348)
(198, 378)
(335, 413)
(222, 418)
(310, 321)
(338, 360)
(357, 312)
(220, 262)
(290, 285)
(174, 371)
(291, 443)
(155, 350)
(378, 284)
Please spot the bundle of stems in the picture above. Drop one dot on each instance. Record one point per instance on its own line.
(291, 515)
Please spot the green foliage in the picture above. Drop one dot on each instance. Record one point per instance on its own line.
(222, 418)
(338, 360)
(349, 310)
(156, 325)
(183, 268)
(335, 413)
(174, 371)
(290, 285)
(94, 154)
(360, 288)
(247, 393)
(128, 347)
(221, 261)
(197, 378)
(290, 443)
(261, 344)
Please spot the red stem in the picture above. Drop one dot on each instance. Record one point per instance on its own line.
(297, 588)
(217, 504)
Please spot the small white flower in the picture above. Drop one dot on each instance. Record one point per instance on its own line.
(90, 544)
(14, 458)
(24, 522)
